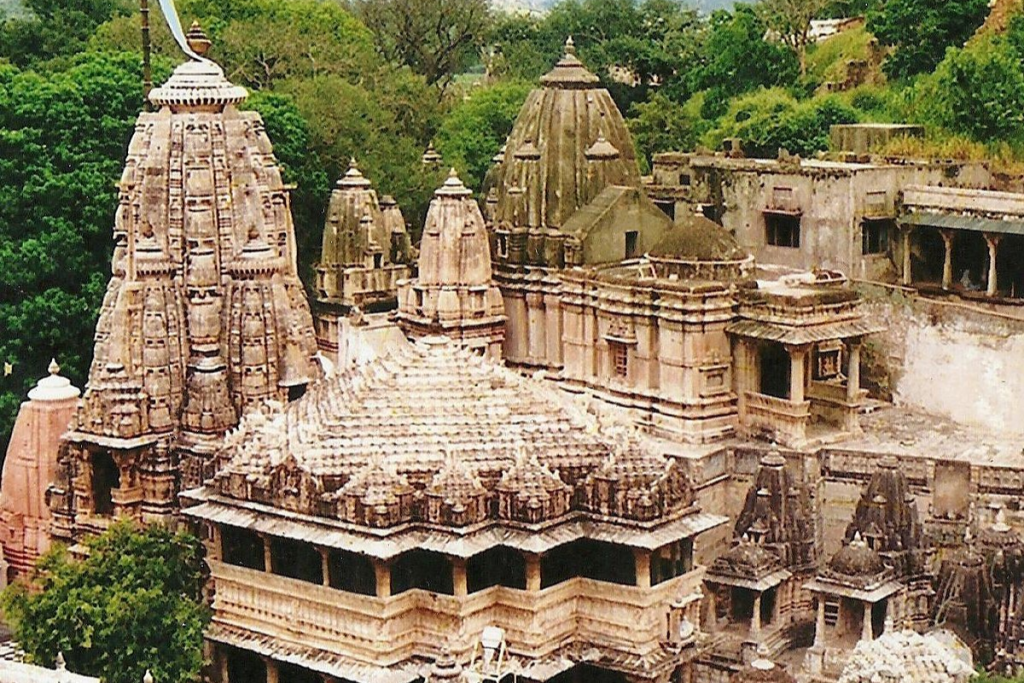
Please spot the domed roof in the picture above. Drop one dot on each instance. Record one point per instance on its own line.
(905, 657)
(53, 387)
(698, 238)
(856, 559)
(568, 144)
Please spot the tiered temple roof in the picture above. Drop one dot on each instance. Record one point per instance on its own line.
(434, 434)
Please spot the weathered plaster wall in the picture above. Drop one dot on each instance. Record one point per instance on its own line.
(952, 361)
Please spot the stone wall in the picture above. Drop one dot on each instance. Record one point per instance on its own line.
(950, 360)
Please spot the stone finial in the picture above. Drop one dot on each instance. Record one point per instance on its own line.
(197, 39)
(1000, 524)
(53, 368)
(570, 46)
(431, 157)
(148, 677)
(61, 665)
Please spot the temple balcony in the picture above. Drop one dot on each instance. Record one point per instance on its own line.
(386, 631)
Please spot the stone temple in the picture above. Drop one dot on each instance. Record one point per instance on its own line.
(580, 433)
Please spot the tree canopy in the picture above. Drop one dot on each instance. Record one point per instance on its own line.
(134, 603)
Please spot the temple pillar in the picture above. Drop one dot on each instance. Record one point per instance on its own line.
(755, 619)
(268, 556)
(325, 565)
(712, 603)
(273, 675)
(907, 266)
(459, 578)
(947, 263)
(532, 572)
(382, 570)
(993, 250)
(865, 631)
(215, 547)
(819, 626)
(642, 558)
(853, 371)
(797, 354)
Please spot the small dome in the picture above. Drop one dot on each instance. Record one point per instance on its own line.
(53, 387)
(569, 72)
(699, 239)
(856, 559)
(197, 84)
(749, 555)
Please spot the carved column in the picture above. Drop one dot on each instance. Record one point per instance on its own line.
(459, 579)
(325, 565)
(642, 559)
(947, 263)
(755, 619)
(268, 556)
(797, 354)
(865, 631)
(382, 570)
(993, 250)
(853, 371)
(819, 627)
(532, 572)
(712, 600)
(907, 266)
(215, 546)
(273, 675)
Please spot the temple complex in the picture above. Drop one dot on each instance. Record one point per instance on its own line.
(204, 315)
(365, 252)
(592, 428)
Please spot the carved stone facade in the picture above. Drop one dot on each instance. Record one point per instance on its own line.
(204, 316)
(453, 293)
(365, 252)
(467, 496)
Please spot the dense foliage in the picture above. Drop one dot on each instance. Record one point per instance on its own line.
(134, 603)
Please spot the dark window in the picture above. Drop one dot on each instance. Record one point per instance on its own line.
(831, 612)
(242, 548)
(352, 572)
(684, 179)
(296, 391)
(289, 673)
(498, 566)
(503, 246)
(667, 208)
(768, 606)
(631, 243)
(620, 358)
(782, 230)
(422, 569)
(105, 478)
(378, 260)
(875, 236)
(296, 560)
(245, 666)
(775, 367)
(588, 559)
(672, 560)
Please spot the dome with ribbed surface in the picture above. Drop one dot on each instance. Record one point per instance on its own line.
(568, 143)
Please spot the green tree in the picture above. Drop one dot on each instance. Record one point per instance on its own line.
(435, 38)
(660, 125)
(977, 91)
(736, 59)
(134, 603)
(790, 20)
(62, 146)
(919, 31)
(54, 28)
(477, 127)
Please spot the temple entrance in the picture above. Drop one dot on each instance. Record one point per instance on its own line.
(245, 667)
(741, 609)
(775, 369)
(927, 255)
(106, 476)
(878, 612)
(970, 261)
(768, 606)
(1010, 266)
